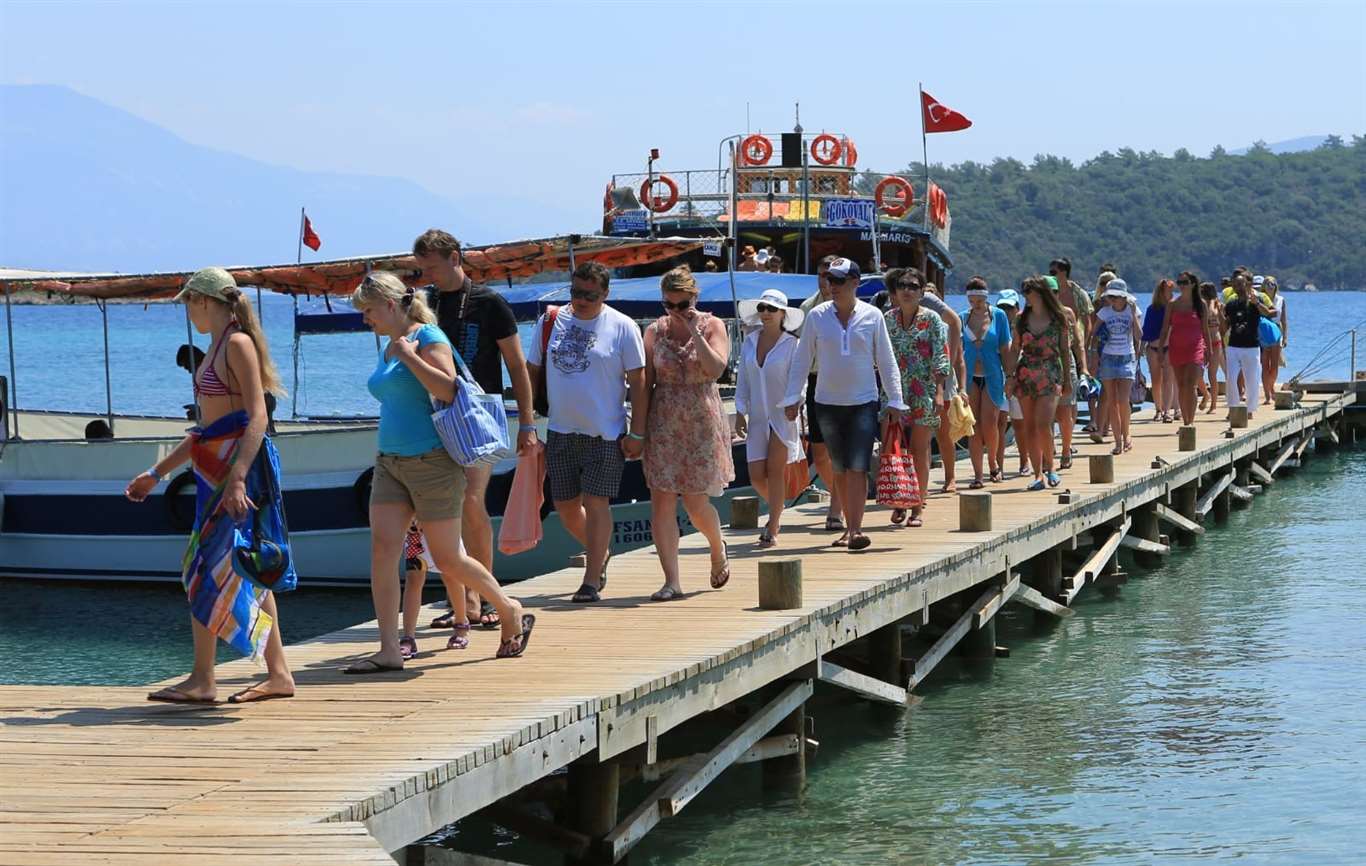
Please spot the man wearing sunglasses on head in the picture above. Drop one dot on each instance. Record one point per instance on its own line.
(594, 361)
(850, 338)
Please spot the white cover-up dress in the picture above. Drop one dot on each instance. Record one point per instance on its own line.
(759, 394)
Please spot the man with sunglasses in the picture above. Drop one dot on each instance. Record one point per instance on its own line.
(481, 327)
(820, 456)
(594, 362)
(850, 338)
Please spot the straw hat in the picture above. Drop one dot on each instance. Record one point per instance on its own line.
(749, 310)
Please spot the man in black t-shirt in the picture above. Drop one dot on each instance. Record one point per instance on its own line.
(483, 331)
(1244, 353)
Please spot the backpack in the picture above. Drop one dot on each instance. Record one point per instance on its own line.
(540, 397)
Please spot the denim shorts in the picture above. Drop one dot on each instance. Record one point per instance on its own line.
(849, 433)
(1117, 367)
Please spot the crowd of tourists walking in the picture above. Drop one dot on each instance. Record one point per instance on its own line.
(857, 391)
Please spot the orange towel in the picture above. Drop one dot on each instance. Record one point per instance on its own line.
(521, 530)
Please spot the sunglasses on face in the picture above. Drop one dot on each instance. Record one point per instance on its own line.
(910, 285)
(765, 308)
(835, 281)
(1183, 282)
(585, 295)
(678, 305)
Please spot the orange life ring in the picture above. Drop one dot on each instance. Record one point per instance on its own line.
(833, 149)
(850, 153)
(655, 203)
(756, 150)
(939, 206)
(904, 192)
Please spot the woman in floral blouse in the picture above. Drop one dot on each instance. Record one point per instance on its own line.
(919, 342)
(1041, 374)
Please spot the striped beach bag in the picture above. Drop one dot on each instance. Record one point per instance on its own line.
(474, 429)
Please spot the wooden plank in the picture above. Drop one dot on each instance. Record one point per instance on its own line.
(1133, 542)
(947, 641)
(1263, 474)
(861, 685)
(1283, 456)
(1206, 500)
(1095, 562)
(1031, 597)
(1240, 493)
(1304, 444)
(997, 601)
(778, 746)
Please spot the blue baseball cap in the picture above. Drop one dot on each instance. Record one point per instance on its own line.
(1009, 298)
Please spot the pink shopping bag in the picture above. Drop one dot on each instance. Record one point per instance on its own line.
(521, 530)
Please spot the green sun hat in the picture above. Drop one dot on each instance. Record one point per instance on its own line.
(1052, 283)
(210, 282)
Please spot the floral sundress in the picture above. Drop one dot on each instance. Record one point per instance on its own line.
(1039, 373)
(921, 352)
(687, 447)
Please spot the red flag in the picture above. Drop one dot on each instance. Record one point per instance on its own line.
(311, 239)
(938, 117)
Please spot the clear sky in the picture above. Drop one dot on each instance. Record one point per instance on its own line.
(535, 105)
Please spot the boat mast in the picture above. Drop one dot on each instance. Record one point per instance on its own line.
(108, 386)
(13, 385)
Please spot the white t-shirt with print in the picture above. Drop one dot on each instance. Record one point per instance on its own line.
(586, 370)
(1120, 326)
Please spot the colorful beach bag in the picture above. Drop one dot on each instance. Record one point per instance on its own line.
(473, 429)
(897, 485)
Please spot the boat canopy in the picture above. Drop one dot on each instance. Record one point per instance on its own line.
(341, 276)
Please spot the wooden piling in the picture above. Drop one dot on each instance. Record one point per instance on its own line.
(593, 792)
(1185, 437)
(1102, 468)
(884, 654)
(974, 511)
(1145, 526)
(1045, 576)
(780, 584)
(787, 774)
(744, 512)
(1183, 501)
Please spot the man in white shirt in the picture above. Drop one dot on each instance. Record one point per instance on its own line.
(594, 361)
(850, 340)
(819, 456)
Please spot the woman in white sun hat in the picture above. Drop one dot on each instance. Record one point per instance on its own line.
(771, 440)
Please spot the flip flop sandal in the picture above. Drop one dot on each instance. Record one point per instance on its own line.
(833, 524)
(602, 578)
(260, 693)
(766, 540)
(488, 616)
(585, 594)
(1096, 437)
(1065, 463)
(915, 521)
(997, 476)
(842, 541)
(667, 593)
(1129, 446)
(446, 620)
(517, 644)
(976, 484)
(859, 542)
(1053, 479)
(461, 638)
(1118, 449)
(1037, 485)
(898, 516)
(407, 647)
(370, 666)
(173, 695)
(721, 577)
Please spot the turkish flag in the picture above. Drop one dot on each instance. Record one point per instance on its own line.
(311, 239)
(938, 117)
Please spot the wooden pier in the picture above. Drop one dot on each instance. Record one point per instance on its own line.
(355, 769)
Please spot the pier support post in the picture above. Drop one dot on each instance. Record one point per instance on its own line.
(1102, 468)
(787, 774)
(1145, 526)
(1185, 437)
(744, 512)
(979, 644)
(1045, 575)
(592, 801)
(1223, 503)
(884, 654)
(1183, 500)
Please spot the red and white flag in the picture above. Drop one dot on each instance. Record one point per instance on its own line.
(938, 117)
(310, 237)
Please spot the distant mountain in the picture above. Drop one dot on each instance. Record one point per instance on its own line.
(1292, 145)
(88, 187)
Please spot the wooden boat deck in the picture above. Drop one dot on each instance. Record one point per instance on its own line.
(355, 767)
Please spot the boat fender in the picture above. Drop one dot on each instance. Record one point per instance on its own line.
(180, 518)
(659, 204)
(756, 150)
(903, 192)
(826, 149)
(361, 489)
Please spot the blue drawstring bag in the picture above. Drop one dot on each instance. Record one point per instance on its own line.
(1268, 333)
(473, 429)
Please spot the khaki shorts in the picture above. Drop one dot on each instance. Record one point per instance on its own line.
(432, 484)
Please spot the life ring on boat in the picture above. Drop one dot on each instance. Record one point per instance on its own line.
(850, 153)
(656, 203)
(829, 154)
(939, 207)
(903, 192)
(756, 150)
(361, 490)
(181, 520)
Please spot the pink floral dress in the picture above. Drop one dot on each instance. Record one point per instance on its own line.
(687, 444)
(921, 352)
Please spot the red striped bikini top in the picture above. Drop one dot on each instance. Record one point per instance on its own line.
(208, 384)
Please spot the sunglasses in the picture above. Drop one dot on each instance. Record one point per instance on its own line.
(766, 308)
(836, 281)
(1053, 273)
(910, 285)
(678, 305)
(1183, 282)
(585, 295)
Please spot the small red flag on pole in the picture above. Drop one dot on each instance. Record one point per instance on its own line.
(311, 239)
(938, 117)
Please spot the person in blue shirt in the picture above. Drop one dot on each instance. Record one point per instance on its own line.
(414, 475)
(986, 353)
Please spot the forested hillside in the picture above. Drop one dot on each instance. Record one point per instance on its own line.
(1300, 216)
